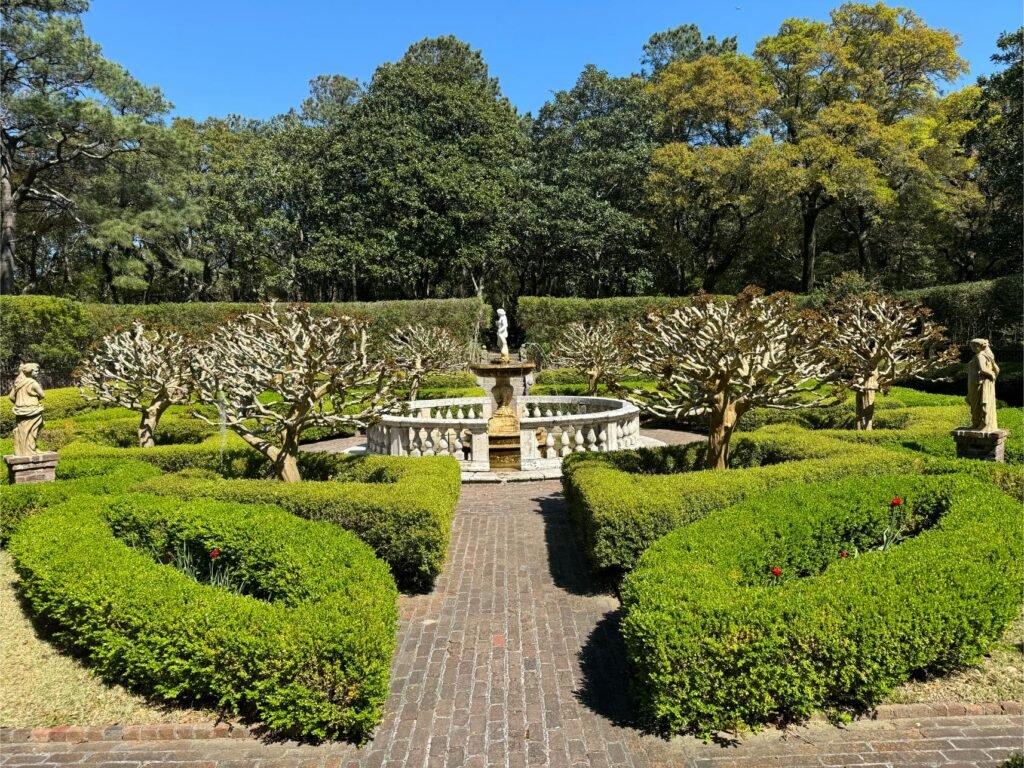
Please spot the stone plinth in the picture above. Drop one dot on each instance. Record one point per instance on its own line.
(980, 444)
(40, 468)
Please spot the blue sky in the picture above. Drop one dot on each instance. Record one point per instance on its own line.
(255, 57)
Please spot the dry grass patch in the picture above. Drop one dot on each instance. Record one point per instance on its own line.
(998, 677)
(43, 687)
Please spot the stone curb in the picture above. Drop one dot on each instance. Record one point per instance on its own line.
(197, 731)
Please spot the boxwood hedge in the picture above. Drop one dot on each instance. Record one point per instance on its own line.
(401, 507)
(621, 502)
(717, 642)
(306, 652)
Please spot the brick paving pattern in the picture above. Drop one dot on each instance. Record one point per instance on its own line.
(515, 660)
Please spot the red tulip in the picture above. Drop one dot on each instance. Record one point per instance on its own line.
(215, 553)
(896, 501)
(776, 571)
(843, 553)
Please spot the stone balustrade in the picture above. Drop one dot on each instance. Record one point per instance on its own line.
(550, 429)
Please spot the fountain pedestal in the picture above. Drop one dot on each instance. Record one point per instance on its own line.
(503, 427)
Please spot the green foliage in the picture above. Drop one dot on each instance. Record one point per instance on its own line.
(717, 642)
(990, 309)
(60, 403)
(306, 651)
(621, 502)
(542, 318)
(57, 332)
(76, 477)
(402, 508)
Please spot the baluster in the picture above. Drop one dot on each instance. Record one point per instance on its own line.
(602, 440)
(578, 439)
(442, 444)
(565, 450)
(591, 439)
(457, 447)
(458, 413)
(426, 444)
(549, 445)
(414, 442)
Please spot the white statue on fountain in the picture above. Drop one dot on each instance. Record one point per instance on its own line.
(503, 335)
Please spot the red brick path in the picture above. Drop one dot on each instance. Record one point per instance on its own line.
(515, 660)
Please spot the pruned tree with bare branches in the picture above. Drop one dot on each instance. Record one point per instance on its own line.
(276, 373)
(596, 351)
(718, 359)
(419, 349)
(878, 341)
(143, 370)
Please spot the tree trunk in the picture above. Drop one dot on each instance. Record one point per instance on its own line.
(287, 467)
(150, 420)
(809, 247)
(592, 380)
(284, 460)
(8, 214)
(721, 423)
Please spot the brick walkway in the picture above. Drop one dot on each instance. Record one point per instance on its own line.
(515, 660)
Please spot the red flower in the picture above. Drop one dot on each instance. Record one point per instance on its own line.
(843, 554)
(776, 571)
(896, 501)
(214, 553)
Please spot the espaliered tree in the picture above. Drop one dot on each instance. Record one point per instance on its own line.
(417, 349)
(595, 350)
(718, 359)
(275, 373)
(878, 341)
(144, 371)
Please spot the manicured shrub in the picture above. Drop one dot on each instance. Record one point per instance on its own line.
(621, 502)
(58, 404)
(401, 507)
(75, 477)
(754, 615)
(305, 648)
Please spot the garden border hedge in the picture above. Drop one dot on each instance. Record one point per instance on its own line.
(314, 662)
(621, 502)
(716, 641)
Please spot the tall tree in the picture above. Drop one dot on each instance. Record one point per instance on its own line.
(435, 153)
(682, 43)
(67, 111)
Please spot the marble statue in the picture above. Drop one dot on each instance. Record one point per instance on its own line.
(503, 335)
(28, 412)
(981, 386)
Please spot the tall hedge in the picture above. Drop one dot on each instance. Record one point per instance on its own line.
(56, 332)
(991, 309)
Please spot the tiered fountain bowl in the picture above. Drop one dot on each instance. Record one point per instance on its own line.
(507, 436)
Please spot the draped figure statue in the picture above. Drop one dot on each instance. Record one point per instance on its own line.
(981, 386)
(26, 395)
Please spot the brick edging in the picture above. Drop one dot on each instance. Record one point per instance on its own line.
(222, 730)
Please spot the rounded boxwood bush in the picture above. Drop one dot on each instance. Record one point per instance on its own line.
(300, 640)
(755, 615)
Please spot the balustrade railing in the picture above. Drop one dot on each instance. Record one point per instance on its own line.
(550, 429)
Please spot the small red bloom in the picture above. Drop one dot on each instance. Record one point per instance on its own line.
(843, 554)
(776, 571)
(896, 501)
(215, 553)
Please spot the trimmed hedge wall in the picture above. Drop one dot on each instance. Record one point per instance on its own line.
(309, 655)
(56, 332)
(990, 308)
(717, 642)
(621, 502)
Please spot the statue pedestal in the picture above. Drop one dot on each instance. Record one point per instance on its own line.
(979, 444)
(40, 468)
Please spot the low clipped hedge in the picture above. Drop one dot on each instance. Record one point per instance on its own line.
(621, 502)
(403, 508)
(306, 652)
(717, 642)
(81, 477)
(58, 404)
